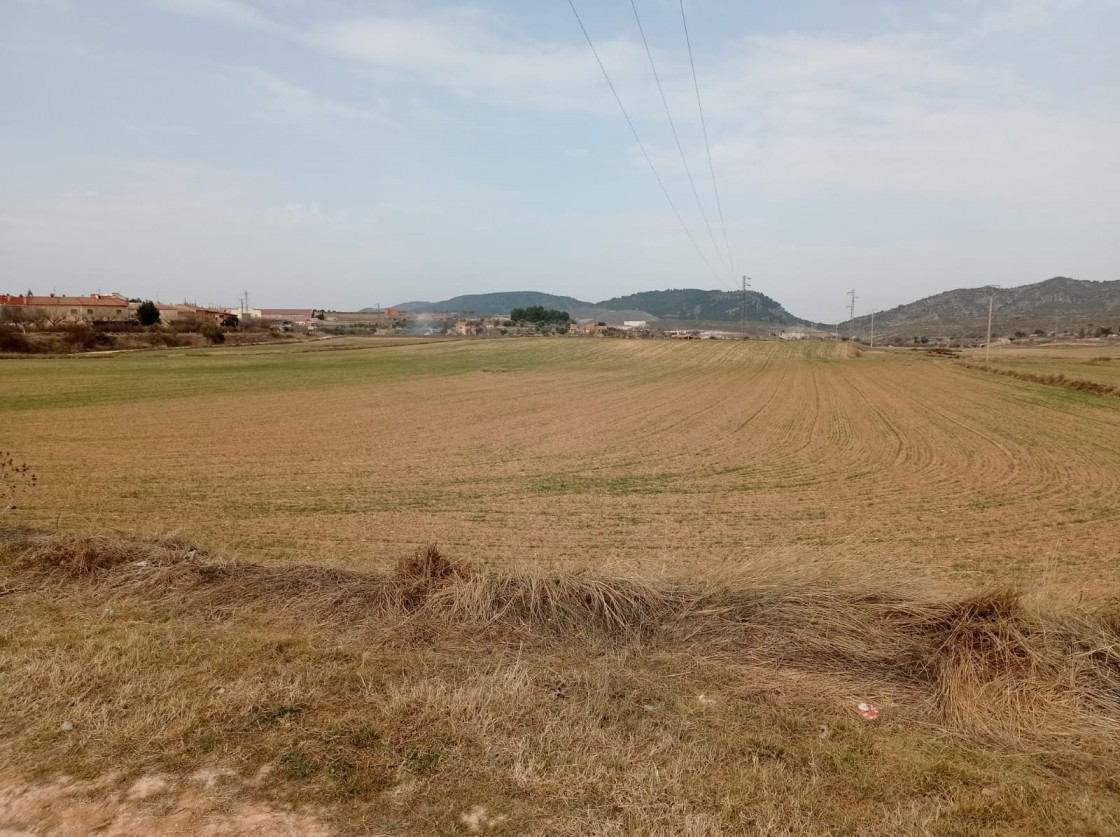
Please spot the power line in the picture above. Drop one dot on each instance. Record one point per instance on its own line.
(707, 144)
(641, 145)
(676, 136)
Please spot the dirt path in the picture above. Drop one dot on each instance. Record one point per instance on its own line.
(203, 805)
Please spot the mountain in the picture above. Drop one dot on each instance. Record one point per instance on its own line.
(686, 304)
(496, 303)
(503, 303)
(1057, 297)
(1036, 304)
(715, 306)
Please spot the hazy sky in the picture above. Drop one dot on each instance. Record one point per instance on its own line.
(339, 153)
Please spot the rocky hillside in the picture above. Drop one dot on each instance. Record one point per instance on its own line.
(1059, 296)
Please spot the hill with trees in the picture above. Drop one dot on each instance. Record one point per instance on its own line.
(1036, 303)
(717, 306)
(495, 303)
(674, 304)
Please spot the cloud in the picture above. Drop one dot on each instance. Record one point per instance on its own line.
(902, 114)
(301, 211)
(219, 11)
(290, 102)
(461, 49)
(1031, 14)
(466, 54)
(164, 129)
(802, 82)
(909, 112)
(1003, 158)
(54, 5)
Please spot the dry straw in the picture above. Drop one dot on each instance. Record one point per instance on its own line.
(985, 664)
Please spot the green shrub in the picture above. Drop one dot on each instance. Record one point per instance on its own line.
(212, 333)
(147, 313)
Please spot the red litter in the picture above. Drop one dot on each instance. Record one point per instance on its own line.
(867, 711)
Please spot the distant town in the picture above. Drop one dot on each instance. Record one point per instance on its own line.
(1055, 309)
(116, 309)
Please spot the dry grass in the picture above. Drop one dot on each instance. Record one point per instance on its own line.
(1095, 362)
(985, 662)
(1053, 379)
(559, 703)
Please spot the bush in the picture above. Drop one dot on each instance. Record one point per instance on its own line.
(171, 339)
(81, 336)
(14, 340)
(212, 333)
(147, 313)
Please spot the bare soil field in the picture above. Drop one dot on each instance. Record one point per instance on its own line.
(670, 573)
(651, 455)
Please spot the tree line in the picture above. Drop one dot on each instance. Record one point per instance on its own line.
(540, 315)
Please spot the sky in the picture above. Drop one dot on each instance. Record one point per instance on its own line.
(346, 153)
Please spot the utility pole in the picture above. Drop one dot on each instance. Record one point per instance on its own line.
(872, 329)
(988, 342)
(851, 314)
(743, 307)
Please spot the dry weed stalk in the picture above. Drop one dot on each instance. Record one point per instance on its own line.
(15, 478)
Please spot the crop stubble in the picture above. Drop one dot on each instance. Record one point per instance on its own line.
(589, 452)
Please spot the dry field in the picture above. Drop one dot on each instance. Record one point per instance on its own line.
(654, 455)
(675, 569)
(1099, 362)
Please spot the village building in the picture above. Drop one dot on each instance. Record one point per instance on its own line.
(298, 317)
(75, 309)
(803, 334)
(586, 328)
(185, 312)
